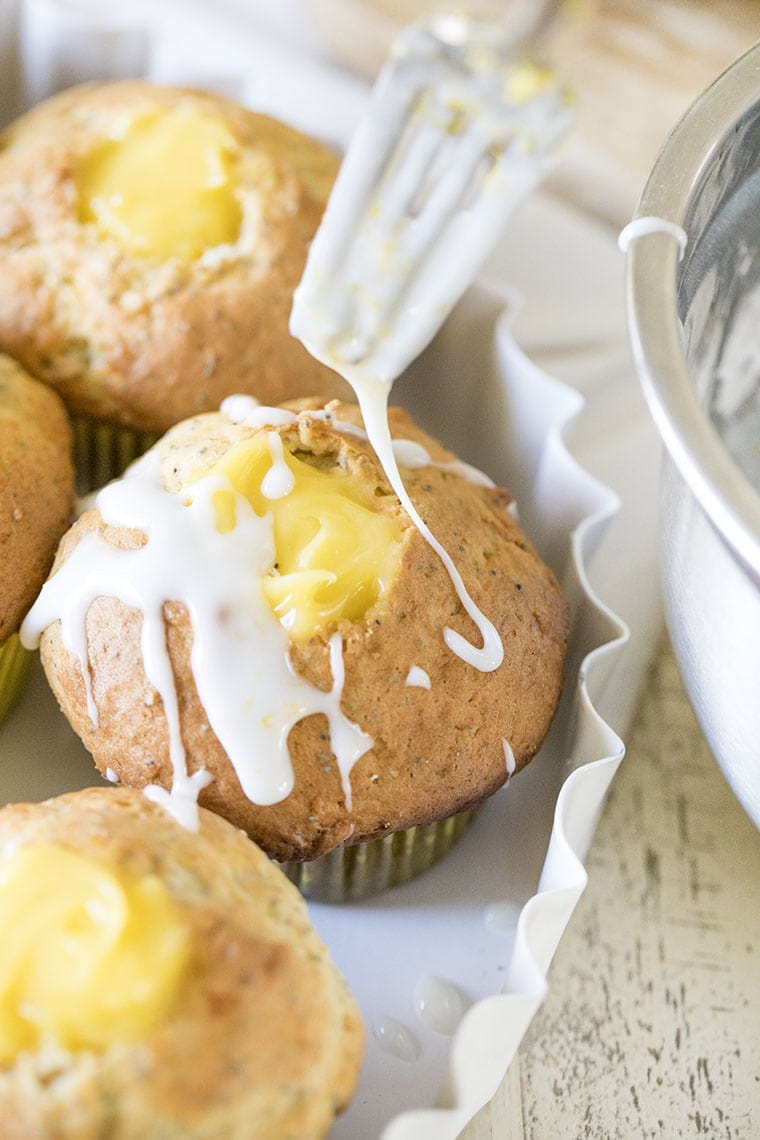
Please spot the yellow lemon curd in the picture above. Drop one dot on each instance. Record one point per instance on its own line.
(88, 957)
(165, 188)
(335, 553)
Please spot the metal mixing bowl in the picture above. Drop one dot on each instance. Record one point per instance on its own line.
(695, 330)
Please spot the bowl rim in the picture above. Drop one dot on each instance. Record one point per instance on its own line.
(726, 496)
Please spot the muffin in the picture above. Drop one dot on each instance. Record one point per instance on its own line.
(152, 238)
(252, 603)
(161, 982)
(36, 495)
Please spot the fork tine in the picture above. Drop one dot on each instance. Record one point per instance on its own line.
(400, 186)
(465, 240)
(446, 195)
(411, 237)
(372, 147)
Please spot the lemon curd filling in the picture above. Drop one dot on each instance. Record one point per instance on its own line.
(165, 188)
(335, 553)
(88, 957)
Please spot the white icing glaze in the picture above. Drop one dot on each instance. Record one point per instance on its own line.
(439, 1004)
(396, 1039)
(418, 677)
(249, 412)
(249, 691)
(509, 758)
(279, 480)
(373, 395)
(411, 454)
(642, 227)
(246, 410)
(182, 801)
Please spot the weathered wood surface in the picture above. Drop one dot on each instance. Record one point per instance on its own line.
(637, 65)
(651, 1025)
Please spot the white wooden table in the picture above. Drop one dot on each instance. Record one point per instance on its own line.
(650, 1028)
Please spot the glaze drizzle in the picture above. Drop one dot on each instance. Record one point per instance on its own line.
(252, 700)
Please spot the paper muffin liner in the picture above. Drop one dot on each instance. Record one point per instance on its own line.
(15, 662)
(348, 874)
(103, 451)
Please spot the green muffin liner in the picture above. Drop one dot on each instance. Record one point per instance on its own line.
(103, 451)
(364, 869)
(15, 662)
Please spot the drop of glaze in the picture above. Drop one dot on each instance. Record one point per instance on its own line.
(418, 678)
(439, 1004)
(397, 1039)
(501, 917)
(641, 227)
(279, 480)
(182, 801)
(509, 758)
(248, 411)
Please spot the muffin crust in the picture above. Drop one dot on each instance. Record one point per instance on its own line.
(435, 751)
(265, 1041)
(142, 341)
(36, 488)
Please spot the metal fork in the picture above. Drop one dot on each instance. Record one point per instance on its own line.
(457, 132)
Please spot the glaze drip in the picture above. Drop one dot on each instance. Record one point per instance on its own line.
(252, 698)
(642, 227)
(373, 401)
(418, 678)
(408, 452)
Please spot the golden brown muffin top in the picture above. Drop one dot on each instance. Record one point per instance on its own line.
(36, 488)
(430, 751)
(146, 341)
(265, 1040)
